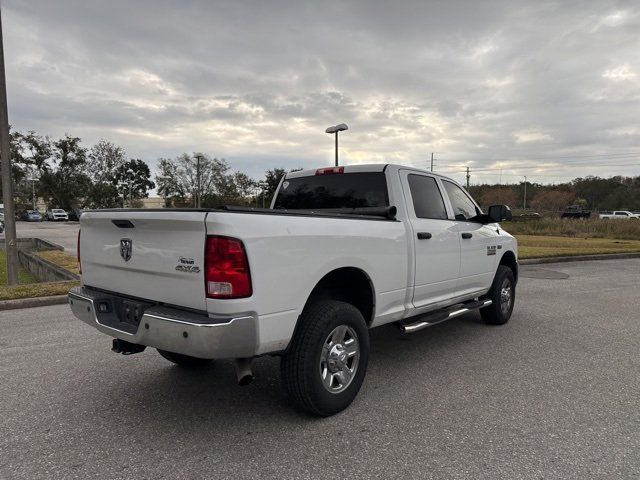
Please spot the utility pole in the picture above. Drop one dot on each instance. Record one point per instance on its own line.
(197, 199)
(468, 177)
(33, 192)
(524, 203)
(432, 161)
(7, 186)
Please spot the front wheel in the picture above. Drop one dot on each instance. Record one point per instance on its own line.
(184, 360)
(325, 366)
(503, 295)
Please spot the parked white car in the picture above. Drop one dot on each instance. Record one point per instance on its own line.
(57, 215)
(619, 214)
(341, 250)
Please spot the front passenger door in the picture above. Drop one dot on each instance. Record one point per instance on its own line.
(478, 242)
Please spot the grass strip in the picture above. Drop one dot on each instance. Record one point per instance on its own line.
(29, 286)
(541, 246)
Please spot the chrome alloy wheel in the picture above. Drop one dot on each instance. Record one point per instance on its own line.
(339, 359)
(506, 296)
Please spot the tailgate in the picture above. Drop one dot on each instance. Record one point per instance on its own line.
(153, 255)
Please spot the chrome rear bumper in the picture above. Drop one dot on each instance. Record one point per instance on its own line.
(175, 330)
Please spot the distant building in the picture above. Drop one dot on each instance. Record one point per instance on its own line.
(153, 202)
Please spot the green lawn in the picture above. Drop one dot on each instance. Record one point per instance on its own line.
(23, 275)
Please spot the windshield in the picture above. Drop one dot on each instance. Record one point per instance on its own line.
(57, 210)
(340, 190)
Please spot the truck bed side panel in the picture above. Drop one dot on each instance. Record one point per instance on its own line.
(289, 255)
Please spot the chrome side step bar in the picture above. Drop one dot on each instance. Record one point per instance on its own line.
(440, 316)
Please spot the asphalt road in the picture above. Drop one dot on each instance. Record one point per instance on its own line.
(62, 233)
(553, 394)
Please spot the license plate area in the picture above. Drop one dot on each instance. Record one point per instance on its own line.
(120, 313)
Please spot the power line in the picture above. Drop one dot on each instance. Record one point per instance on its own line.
(556, 157)
(587, 163)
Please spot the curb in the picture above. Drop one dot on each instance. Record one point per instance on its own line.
(33, 302)
(578, 258)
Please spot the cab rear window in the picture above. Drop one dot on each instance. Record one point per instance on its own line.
(343, 190)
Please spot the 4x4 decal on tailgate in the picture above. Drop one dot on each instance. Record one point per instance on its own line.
(187, 265)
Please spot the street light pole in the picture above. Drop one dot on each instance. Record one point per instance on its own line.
(524, 203)
(335, 129)
(7, 186)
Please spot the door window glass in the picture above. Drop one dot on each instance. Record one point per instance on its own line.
(427, 200)
(463, 207)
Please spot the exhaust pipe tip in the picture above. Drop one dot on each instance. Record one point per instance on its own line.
(243, 371)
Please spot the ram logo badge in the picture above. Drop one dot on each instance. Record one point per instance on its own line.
(126, 248)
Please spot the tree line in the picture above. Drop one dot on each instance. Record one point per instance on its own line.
(591, 192)
(65, 174)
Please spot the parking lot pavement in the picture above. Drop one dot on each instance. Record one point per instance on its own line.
(62, 233)
(552, 394)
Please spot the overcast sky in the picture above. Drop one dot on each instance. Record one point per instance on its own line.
(550, 90)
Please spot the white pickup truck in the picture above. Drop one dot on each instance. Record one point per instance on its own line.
(619, 214)
(341, 250)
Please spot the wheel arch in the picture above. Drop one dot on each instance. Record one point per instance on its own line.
(348, 284)
(509, 260)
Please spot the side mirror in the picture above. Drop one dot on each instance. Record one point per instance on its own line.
(499, 213)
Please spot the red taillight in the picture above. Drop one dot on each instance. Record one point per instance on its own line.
(329, 170)
(78, 251)
(226, 268)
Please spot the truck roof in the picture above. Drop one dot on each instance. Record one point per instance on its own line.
(365, 167)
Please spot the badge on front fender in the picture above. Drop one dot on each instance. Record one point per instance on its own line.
(126, 248)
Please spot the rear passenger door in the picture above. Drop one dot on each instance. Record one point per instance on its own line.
(435, 239)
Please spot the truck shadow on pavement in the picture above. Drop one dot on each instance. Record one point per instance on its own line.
(196, 399)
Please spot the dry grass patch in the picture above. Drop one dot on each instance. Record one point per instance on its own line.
(36, 290)
(585, 228)
(536, 246)
(60, 258)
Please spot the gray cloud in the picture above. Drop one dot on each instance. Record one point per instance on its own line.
(500, 86)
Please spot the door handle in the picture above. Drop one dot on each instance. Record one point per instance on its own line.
(424, 235)
(467, 235)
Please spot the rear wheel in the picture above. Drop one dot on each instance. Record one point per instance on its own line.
(184, 360)
(327, 361)
(503, 295)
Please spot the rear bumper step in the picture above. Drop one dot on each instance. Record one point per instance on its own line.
(171, 329)
(430, 319)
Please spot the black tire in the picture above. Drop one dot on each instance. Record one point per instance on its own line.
(308, 364)
(184, 360)
(499, 312)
